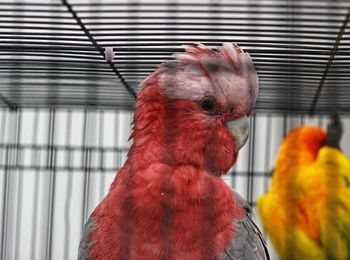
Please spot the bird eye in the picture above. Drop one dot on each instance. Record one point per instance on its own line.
(213, 67)
(208, 104)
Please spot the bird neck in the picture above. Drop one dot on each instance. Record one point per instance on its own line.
(168, 186)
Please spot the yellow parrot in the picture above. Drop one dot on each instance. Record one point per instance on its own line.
(306, 212)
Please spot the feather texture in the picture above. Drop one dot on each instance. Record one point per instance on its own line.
(168, 200)
(248, 241)
(306, 212)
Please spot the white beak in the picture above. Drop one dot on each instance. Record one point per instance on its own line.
(239, 129)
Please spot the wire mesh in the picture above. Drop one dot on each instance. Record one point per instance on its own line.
(66, 111)
(52, 53)
(57, 165)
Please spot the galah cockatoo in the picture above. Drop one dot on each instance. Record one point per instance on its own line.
(168, 200)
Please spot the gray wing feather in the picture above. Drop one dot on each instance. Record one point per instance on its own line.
(248, 242)
(85, 242)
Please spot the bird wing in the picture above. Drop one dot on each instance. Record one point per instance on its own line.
(85, 242)
(248, 242)
(290, 241)
(334, 167)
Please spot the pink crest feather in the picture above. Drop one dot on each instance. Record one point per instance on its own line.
(230, 54)
(226, 73)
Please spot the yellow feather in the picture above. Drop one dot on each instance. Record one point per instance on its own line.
(306, 212)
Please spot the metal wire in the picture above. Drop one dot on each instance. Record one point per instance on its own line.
(292, 44)
(52, 60)
(64, 173)
(100, 50)
(330, 60)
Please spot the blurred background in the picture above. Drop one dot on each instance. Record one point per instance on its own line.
(65, 112)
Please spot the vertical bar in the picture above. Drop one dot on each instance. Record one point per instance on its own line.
(10, 189)
(84, 163)
(52, 182)
(285, 124)
(250, 176)
(116, 153)
(5, 182)
(34, 160)
(52, 99)
(233, 179)
(52, 197)
(15, 77)
(101, 151)
(20, 184)
(3, 126)
(267, 153)
(87, 166)
(69, 187)
(5, 203)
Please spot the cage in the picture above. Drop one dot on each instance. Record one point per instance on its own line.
(66, 112)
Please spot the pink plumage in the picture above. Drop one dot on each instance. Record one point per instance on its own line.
(168, 201)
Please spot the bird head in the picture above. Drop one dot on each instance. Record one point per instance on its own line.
(202, 102)
(299, 148)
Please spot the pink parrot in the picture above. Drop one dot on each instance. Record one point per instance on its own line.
(168, 200)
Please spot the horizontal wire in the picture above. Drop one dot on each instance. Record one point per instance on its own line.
(71, 101)
(76, 105)
(212, 4)
(124, 48)
(27, 27)
(277, 61)
(142, 37)
(257, 3)
(334, 52)
(98, 47)
(182, 14)
(298, 109)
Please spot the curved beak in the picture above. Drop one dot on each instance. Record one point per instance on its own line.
(239, 129)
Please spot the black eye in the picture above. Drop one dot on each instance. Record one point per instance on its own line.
(208, 104)
(212, 67)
